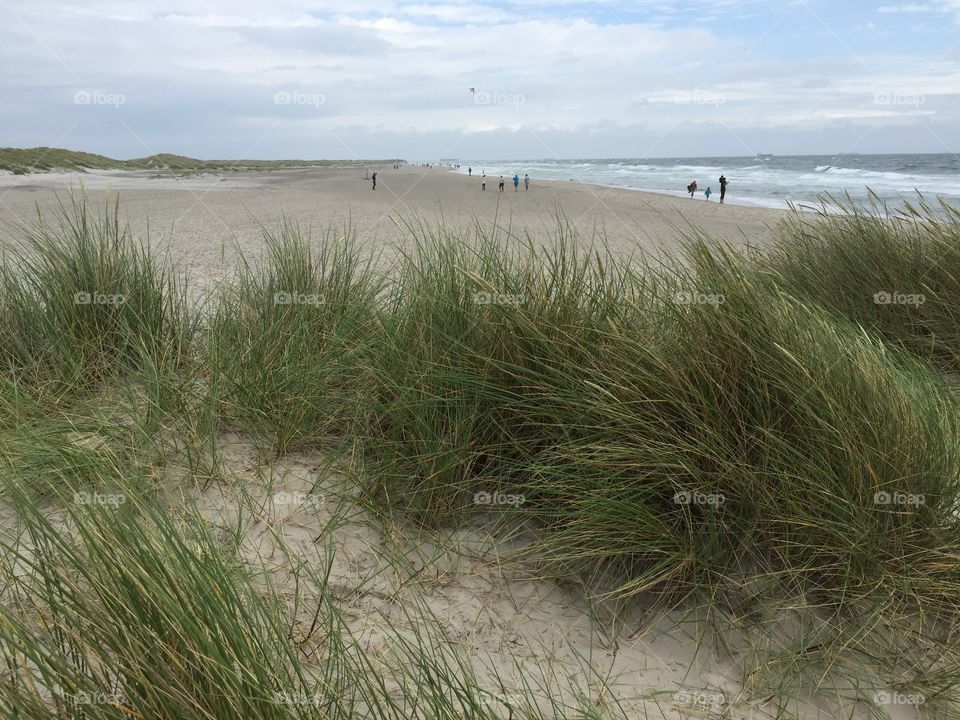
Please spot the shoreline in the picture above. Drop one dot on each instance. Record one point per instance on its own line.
(649, 191)
(757, 185)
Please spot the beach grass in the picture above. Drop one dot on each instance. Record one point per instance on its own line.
(82, 302)
(287, 344)
(895, 274)
(664, 430)
(734, 429)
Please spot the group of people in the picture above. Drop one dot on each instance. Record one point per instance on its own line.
(483, 182)
(692, 188)
(516, 181)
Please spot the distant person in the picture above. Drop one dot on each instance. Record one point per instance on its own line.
(516, 183)
(469, 171)
(723, 188)
(484, 172)
(374, 181)
(707, 193)
(483, 184)
(501, 183)
(692, 188)
(526, 182)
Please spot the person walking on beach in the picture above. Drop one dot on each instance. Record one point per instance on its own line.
(374, 181)
(707, 193)
(692, 188)
(723, 188)
(501, 183)
(516, 183)
(469, 171)
(526, 182)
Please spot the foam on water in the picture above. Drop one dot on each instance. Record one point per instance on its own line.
(772, 183)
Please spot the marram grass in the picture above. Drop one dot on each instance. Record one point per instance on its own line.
(673, 433)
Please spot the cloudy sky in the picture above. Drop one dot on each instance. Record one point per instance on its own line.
(551, 78)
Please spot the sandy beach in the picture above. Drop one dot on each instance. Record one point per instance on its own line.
(200, 219)
(302, 416)
(499, 610)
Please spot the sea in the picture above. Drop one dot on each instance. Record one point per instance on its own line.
(768, 180)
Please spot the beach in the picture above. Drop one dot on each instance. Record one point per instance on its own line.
(769, 181)
(202, 219)
(308, 411)
(499, 617)
(527, 480)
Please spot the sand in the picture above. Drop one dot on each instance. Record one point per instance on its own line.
(514, 629)
(511, 626)
(502, 619)
(202, 219)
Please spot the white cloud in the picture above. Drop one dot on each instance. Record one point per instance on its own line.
(943, 6)
(909, 8)
(392, 67)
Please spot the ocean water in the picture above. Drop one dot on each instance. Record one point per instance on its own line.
(766, 181)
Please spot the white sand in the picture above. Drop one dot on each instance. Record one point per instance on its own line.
(501, 618)
(201, 218)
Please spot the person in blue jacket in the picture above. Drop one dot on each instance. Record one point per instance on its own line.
(708, 192)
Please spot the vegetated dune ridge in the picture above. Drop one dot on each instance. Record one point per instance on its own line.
(511, 479)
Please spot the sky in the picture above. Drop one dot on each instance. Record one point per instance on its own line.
(513, 79)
